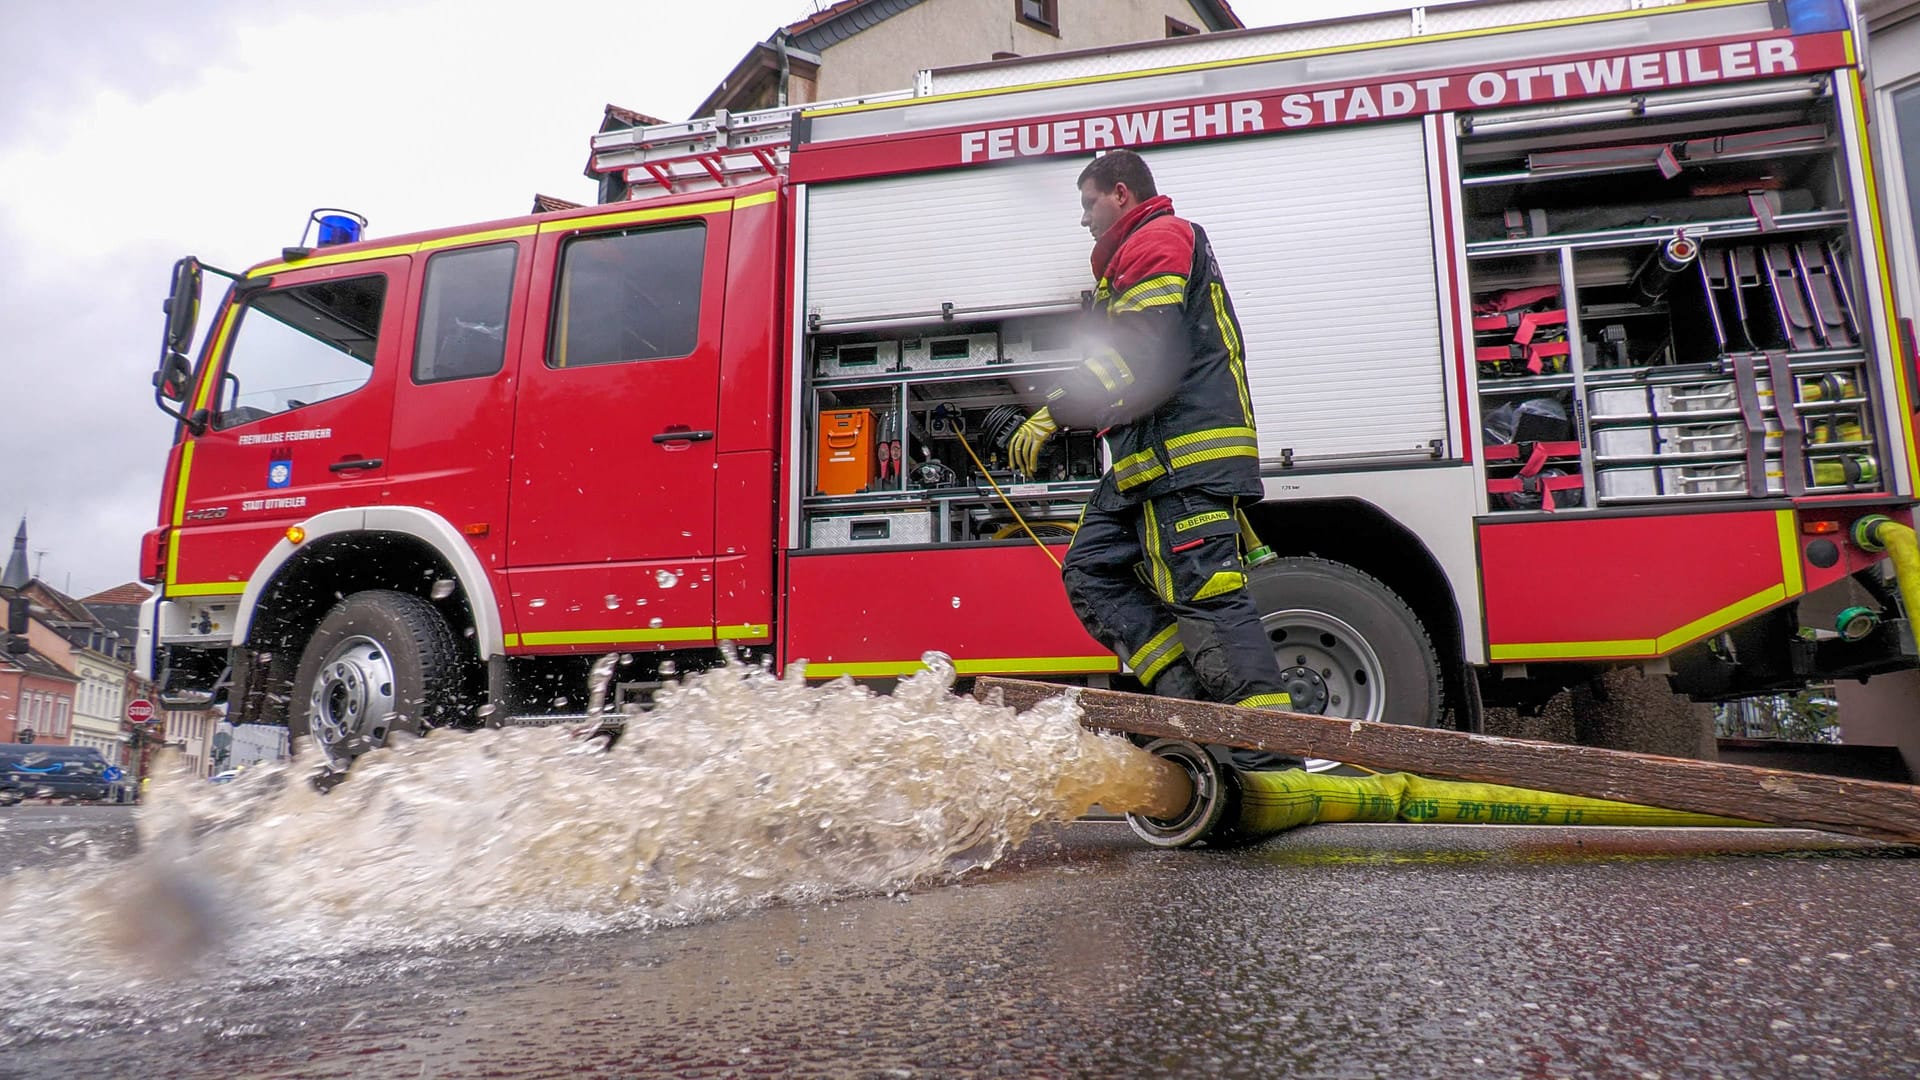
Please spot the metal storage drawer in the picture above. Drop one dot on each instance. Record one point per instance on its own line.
(862, 530)
(1669, 399)
(1682, 481)
(1660, 440)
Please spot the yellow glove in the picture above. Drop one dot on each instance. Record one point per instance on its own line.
(1023, 450)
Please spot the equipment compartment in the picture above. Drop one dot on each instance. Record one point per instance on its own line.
(922, 397)
(1653, 281)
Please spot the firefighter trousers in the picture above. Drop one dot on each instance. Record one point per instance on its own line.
(1161, 583)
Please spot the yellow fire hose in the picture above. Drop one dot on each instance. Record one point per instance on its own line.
(1876, 532)
(1230, 807)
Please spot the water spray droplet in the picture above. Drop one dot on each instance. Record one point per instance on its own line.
(666, 579)
(613, 602)
(656, 622)
(443, 588)
(537, 602)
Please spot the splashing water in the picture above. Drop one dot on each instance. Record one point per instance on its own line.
(738, 790)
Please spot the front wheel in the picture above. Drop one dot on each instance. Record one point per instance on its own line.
(1348, 646)
(379, 662)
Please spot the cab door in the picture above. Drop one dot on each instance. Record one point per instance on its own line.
(611, 505)
(298, 400)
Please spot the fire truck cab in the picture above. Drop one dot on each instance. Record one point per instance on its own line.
(1570, 345)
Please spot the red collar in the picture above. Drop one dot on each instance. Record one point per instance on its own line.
(1110, 242)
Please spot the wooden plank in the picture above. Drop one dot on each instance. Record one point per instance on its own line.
(1868, 808)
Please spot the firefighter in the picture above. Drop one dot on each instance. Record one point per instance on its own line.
(1154, 571)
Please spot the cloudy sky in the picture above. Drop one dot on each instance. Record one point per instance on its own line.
(132, 133)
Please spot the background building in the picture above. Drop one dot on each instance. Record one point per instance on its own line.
(874, 46)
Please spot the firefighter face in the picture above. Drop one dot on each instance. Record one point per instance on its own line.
(1100, 209)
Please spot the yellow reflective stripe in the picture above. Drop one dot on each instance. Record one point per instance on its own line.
(623, 217)
(1035, 665)
(1181, 461)
(1154, 644)
(208, 378)
(1210, 435)
(1212, 445)
(1157, 567)
(640, 635)
(1198, 520)
(1261, 701)
(1124, 306)
(632, 217)
(1236, 356)
(180, 488)
(1665, 643)
(1152, 671)
(1790, 575)
(509, 233)
(1157, 283)
(761, 199)
(510, 640)
(209, 588)
(1221, 584)
(1099, 369)
(616, 637)
(1138, 476)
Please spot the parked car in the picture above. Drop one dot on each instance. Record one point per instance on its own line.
(32, 770)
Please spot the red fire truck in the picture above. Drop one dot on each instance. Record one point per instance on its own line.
(1570, 343)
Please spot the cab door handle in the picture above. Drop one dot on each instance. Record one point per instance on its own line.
(672, 436)
(354, 464)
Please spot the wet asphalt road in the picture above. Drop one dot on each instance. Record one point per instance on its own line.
(1354, 951)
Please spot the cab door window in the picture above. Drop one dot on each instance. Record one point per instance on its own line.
(463, 316)
(629, 296)
(297, 346)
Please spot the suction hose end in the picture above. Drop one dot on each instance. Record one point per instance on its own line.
(1868, 532)
(1201, 815)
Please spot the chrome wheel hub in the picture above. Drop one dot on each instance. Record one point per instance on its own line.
(351, 702)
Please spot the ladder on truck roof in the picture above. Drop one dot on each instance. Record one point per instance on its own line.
(724, 150)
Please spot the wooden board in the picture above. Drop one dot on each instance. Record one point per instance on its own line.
(1804, 800)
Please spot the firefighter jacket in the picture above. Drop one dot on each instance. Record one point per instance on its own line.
(1165, 377)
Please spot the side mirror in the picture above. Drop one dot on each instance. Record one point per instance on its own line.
(183, 304)
(173, 377)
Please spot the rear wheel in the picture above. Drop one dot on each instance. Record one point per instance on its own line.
(379, 662)
(1348, 646)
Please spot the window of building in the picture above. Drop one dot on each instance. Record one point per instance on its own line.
(1176, 28)
(628, 296)
(1039, 14)
(60, 716)
(463, 316)
(301, 345)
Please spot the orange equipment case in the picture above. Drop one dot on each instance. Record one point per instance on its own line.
(846, 451)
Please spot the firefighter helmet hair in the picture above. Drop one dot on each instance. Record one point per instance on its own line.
(1119, 167)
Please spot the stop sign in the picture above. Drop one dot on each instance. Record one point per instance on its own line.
(139, 710)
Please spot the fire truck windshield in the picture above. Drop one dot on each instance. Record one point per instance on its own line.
(299, 345)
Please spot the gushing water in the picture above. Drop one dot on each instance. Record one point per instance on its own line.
(738, 790)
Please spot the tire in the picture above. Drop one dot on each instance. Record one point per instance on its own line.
(379, 662)
(1350, 647)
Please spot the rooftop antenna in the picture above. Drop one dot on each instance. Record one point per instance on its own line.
(38, 558)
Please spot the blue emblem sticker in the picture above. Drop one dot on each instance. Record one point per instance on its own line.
(279, 474)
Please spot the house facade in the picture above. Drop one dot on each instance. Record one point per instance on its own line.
(860, 47)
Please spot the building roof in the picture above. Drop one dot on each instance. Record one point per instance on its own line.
(16, 574)
(545, 204)
(805, 39)
(131, 593)
(35, 663)
(837, 22)
(60, 609)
